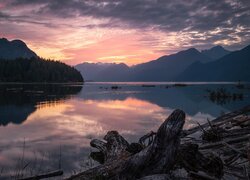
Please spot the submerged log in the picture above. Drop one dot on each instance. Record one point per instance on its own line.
(157, 158)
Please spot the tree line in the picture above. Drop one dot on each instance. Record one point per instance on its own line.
(37, 70)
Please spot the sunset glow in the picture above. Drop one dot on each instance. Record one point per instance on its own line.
(123, 31)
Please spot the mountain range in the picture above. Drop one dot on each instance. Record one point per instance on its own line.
(215, 64)
(231, 67)
(215, 52)
(103, 71)
(11, 50)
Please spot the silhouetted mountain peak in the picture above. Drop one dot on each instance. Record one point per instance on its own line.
(231, 67)
(14, 49)
(190, 62)
(247, 48)
(3, 40)
(18, 43)
(13, 42)
(215, 52)
(123, 65)
(101, 64)
(218, 47)
(191, 50)
(184, 54)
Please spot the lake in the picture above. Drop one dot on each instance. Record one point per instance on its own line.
(47, 127)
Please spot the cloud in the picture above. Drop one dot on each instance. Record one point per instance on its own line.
(164, 26)
(175, 15)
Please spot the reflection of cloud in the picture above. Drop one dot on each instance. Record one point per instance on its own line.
(73, 123)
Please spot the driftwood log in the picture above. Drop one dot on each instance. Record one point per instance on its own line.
(221, 151)
(160, 156)
(157, 158)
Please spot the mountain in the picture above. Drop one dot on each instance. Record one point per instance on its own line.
(103, 71)
(91, 70)
(20, 64)
(115, 72)
(166, 68)
(14, 49)
(215, 52)
(232, 67)
(215, 64)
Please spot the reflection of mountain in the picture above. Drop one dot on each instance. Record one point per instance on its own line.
(191, 98)
(15, 114)
(17, 102)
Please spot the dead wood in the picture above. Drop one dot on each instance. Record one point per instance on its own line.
(220, 120)
(44, 176)
(159, 155)
(157, 158)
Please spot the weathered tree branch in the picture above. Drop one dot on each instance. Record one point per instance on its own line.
(220, 120)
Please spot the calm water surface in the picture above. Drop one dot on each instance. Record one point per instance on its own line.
(46, 127)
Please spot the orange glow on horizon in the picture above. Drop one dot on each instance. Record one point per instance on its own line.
(101, 31)
(115, 49)
(78, 45)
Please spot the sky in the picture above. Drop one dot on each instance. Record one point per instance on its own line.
(128, 31)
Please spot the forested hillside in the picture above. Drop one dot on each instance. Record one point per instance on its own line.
(37, 70)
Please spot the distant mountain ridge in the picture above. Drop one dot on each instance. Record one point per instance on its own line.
(102, 71)
(166, 68)
(215, 64)
(232, 67)
(215, 52)
(11, 50)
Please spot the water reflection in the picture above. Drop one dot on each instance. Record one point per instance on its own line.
(68, 117)
(18, 101)
(191, 98)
